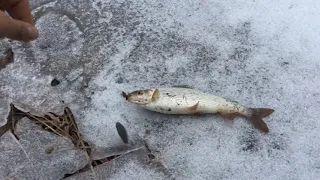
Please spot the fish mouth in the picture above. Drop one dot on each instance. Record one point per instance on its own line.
(125, 95)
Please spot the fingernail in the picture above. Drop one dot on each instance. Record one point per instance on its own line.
(32, 32)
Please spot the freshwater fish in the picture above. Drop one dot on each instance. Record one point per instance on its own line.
(188, 100)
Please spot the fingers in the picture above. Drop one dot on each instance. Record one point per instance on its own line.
(18, 9)
(16, 29)
(20, 26)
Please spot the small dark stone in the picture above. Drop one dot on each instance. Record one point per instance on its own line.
(49, 149)
(55, 82)
(151, 156)
(169, 109)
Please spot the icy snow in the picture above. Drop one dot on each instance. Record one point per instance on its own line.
(134, 165)
(259, 53)
(263, 54)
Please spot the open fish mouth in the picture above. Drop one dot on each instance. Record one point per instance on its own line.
(125, 95)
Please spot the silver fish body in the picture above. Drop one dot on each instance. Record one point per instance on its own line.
(181, 100)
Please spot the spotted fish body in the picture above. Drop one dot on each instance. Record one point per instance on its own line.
(182, 100)
(192, 101)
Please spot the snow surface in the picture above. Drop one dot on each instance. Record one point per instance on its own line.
(135, 165)
(263, 54)
(259, 53)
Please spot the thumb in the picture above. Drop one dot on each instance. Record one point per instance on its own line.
(16, 29)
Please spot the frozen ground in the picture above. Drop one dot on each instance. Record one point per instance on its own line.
(259, 53)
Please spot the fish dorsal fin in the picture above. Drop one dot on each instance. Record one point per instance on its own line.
(183, 86)
(155, 95)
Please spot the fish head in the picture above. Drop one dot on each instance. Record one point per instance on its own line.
(141, 97)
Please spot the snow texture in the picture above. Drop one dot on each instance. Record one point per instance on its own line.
(134, 165)
(259, 53)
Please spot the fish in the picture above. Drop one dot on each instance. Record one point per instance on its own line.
(188, 100)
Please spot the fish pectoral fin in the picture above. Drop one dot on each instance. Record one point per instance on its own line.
(183, 86)
(229, 116)
(155, 95)
(192, 108)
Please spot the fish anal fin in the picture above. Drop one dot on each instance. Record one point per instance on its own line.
(193, 108)
(229, 116)
(155, 95)
(199, 114)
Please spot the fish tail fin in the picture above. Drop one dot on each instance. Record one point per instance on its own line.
(256, 118)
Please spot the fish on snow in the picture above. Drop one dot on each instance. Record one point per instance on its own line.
(187, 100)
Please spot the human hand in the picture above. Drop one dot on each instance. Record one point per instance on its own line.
(20, 27)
